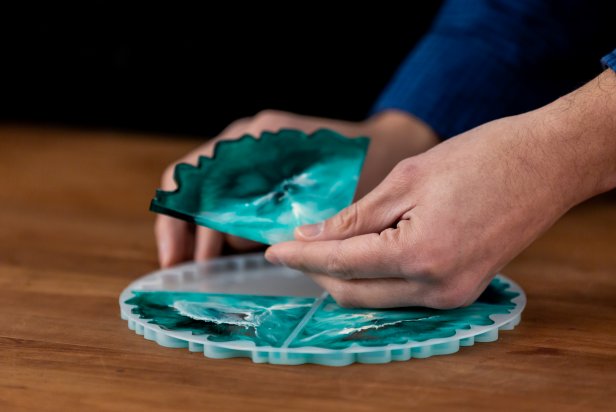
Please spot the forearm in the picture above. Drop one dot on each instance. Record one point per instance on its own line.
(576, 135)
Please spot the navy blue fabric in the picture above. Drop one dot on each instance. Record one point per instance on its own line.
(486, 59)
(610, 60)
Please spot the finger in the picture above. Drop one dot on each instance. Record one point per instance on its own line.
(174, 240)
(375, 212)
(372, 293)
(359, 257)
(208, 243)
(235, 129)
(240, 244)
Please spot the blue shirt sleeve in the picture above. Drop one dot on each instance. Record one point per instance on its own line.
(610, 60)
(486, 59)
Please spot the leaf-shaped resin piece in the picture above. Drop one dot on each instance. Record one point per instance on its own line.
(261, 189)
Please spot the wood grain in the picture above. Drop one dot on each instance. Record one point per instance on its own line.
(75, 230)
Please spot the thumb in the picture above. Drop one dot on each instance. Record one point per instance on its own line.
(375, 212)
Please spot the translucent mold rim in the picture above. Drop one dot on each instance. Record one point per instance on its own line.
(308, 354)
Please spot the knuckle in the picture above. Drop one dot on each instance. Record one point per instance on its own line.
(402, 264)
(400, 174)
(336, 266)
(452, 296)
(241, 122)
(267, 116)
(406, 167)
(236, 127)
(421, 266)
(347, 220)
(434, 263)
(342, 294)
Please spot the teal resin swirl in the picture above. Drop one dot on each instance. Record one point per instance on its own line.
(270, 320)
(261, 189)
(335, 327)
(264, 320)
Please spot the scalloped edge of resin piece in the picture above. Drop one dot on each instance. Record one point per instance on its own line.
(157, 204)
(308, 354)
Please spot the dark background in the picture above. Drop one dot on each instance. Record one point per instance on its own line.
(178, 70)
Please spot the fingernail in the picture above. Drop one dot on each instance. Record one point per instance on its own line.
(272, 258)
(309, 231)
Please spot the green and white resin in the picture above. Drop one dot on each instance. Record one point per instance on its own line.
(209, 307)
(261, 189)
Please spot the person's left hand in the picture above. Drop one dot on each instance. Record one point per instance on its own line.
(395, 135)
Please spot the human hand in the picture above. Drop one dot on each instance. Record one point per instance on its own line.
(395, 135)
(442, 223)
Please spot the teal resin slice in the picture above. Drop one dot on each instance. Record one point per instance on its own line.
(276, 321)
(261, 189)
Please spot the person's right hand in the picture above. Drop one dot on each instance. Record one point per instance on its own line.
(395, 136)
(438, 228)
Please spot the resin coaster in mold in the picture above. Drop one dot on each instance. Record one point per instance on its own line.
(261, 189)
(242, 306)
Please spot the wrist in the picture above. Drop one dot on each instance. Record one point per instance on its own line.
(579, 129)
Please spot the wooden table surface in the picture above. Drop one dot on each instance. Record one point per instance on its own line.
(75, 230)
